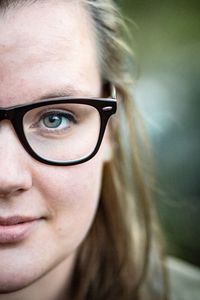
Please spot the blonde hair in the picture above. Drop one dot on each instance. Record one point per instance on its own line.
(113, 261)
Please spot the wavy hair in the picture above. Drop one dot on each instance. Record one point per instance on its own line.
(121, 257)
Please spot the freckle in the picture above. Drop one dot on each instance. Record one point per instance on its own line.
(22, 82)
(59, 229)
(1, 77)
(2, 47)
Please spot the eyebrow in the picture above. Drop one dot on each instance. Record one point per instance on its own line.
(67, 91)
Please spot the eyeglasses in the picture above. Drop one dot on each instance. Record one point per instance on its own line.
(62, 131)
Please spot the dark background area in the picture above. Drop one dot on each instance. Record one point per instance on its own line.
(166, 43)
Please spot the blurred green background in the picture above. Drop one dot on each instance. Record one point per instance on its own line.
(166, 43)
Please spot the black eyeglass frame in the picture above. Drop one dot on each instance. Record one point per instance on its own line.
(15, 114)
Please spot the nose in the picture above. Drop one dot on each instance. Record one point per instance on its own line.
(15, 175)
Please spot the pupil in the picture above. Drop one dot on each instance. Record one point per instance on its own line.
(52, 121)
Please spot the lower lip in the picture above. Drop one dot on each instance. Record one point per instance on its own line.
(16, 233)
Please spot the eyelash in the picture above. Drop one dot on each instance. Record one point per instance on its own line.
(68, 115)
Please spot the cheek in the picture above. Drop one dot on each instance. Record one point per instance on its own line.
(76, 186)
(70, 196)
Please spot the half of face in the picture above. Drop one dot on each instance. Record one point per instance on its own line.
(46, 48)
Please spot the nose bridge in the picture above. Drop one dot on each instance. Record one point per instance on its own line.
(6, 123)
(11, 149)
(8, 138)
(14, 174)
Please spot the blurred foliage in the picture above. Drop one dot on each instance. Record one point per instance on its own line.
(166, 42)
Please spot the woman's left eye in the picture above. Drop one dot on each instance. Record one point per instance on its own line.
(56, 120)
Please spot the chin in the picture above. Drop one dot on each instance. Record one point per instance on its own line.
(11, 287)
(15, 283)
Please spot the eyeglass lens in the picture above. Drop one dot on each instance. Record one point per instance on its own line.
(62, 132)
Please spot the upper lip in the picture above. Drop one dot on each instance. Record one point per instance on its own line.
(13, 220)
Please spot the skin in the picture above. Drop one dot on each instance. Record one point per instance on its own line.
(40, 54)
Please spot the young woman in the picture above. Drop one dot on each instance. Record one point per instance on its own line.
(75, 220)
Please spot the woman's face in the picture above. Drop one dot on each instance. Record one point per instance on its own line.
(46, 48)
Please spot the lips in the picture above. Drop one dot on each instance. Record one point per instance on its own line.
(16, 228)
(14, 220)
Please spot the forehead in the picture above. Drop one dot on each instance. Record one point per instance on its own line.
(46, 43)
(23, 24)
